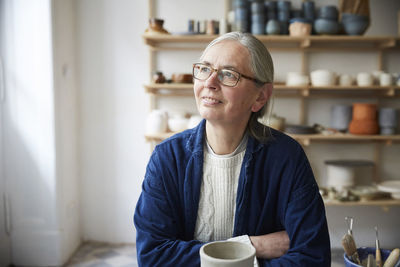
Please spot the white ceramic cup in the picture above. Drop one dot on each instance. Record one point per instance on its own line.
(346, 80)
(227, 254)
(323, 78)
(365, 79)
(385, 79)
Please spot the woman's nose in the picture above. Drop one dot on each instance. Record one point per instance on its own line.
(212, 81)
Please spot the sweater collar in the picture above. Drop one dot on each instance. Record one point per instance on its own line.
(195, 142)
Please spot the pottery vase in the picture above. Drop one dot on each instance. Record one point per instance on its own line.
(364, 119)
(341, 117)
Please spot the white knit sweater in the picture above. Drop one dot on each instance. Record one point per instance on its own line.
(217, 203)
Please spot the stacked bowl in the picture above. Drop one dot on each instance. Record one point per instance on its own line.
(327, 21)
(241, 15)
(284, 16)
(355, 24)
(257, 17)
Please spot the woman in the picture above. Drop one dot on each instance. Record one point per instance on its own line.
(231, 176)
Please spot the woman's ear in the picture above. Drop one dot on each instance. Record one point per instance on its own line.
(264, 94)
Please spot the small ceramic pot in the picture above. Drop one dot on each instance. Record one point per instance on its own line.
(299, 29)
(323, 78)
(297, 79)
(364, 111)
(388, 117)
(346, 80)
(273, 27)
(385, 79)
(308, 8)
(341, 117)
(364, 119)
(156, 122)
(364, 79)
(227, 254)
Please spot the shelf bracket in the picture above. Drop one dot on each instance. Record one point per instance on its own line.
(305, 43)
(389, 43)
(306, 141)
(390, 92)
(305, 92)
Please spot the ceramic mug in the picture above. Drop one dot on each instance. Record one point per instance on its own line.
(227, 253)
(346, 80)
(364, 79)
(385, 79)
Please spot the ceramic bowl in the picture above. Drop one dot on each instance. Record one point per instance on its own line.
(328, 12)
(363, 254)
(392, 187)
(300, 129)
(297, 79)
(326, 26)
(323, 78)
(354, 24)
(273, 27)
(177, 124)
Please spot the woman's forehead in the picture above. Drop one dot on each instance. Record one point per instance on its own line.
(227, 53)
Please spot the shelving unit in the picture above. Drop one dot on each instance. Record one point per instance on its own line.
(303, 45)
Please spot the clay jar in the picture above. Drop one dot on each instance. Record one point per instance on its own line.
(156, 25)
(364, 119)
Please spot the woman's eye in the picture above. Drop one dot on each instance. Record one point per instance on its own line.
(228, 74)
(204, 69)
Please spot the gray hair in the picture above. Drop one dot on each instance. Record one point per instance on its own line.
(263, 69)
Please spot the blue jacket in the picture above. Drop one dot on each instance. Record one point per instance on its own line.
(277, 191)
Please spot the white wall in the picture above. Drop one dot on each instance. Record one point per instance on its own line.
(113, 63)
(39, 132)
(112, 68)
(66, 125)
(28, 133)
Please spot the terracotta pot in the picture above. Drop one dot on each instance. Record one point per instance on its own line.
(364, 111)
(363, 127)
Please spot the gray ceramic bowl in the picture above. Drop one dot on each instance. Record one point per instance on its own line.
(328, 12)
(325, 26)
(354, 24)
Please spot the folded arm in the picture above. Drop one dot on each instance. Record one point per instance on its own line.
(160, 237)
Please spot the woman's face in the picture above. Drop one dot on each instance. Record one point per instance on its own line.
(218, 103)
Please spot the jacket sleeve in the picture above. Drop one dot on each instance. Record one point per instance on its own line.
(305, 222)
(158, 226)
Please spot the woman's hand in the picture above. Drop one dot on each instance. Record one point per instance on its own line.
(272, 245)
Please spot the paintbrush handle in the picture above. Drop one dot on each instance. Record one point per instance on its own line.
(378, 258)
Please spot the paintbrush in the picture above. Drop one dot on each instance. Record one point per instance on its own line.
(378, 256)
(350, 248)
(393, 258)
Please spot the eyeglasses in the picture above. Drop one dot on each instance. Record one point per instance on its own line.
(226, 77)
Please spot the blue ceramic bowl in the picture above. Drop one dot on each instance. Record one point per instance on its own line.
(355, 27)
(363, 254)
(351, 17)
(328, 12)
(326, 26)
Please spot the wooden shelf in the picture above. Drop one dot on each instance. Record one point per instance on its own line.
(307, 139)
(382, 202)
(281, 42)
(186, 89)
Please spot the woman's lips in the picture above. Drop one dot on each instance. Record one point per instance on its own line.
(210, 101)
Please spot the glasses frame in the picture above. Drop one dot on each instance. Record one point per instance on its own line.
(217, 70)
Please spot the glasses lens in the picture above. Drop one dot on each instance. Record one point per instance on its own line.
(228, 77)
(201, 72)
